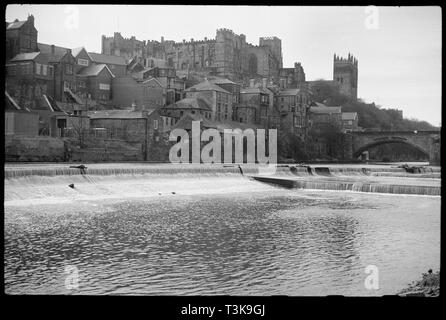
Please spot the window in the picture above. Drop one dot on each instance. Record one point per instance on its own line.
(44, 70)
(155, 124)
(218, 107)
(104, 86)
(38, 68)
(68, 69)
(82, 62)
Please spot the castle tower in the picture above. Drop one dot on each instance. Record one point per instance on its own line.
(224, 51)
(345, 74)
(275, 44)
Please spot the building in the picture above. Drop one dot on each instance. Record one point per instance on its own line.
(186, 106)
(321, 116)
(254, 105)
(349, 121)
(291, 77)
(219, 100)
(21, 37)
(141, 95)
(228, 54)
(18, 120)
(292, 104)
(97, 82)
(28, 76)
(345, 74)
(116, 64)
(229, 86)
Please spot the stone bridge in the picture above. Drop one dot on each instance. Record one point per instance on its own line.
(428, 142)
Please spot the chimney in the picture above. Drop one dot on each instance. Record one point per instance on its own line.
(53, 49)
(251, 83)
(31, 19)
(162, 39)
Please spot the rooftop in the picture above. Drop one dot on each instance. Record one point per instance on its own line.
(94, 70)
(190, 103)
(15, 25)
(349, 115)
(253, 90)
(221, 81)
(289, 92)
(116, 114)
(324, 109)
(25, 56)
(186, 123)
(108, 59)
(206, 86)
(46, 52)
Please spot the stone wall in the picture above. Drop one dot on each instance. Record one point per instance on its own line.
(28, 148)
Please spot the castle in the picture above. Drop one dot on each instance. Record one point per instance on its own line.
(228, 54)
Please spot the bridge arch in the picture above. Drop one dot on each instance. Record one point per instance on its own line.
(360, 149)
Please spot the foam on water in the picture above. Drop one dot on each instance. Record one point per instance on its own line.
(32, 184)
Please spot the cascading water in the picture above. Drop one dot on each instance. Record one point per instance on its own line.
(51, 182)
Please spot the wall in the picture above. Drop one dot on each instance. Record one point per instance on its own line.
(93, 86)
(26, 148)
(21, 123)
(126, 91)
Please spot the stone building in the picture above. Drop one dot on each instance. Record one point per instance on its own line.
(219, 100)
(228, 54)
(345, 74)
(21, 37)
(291, 77)
(292, 104)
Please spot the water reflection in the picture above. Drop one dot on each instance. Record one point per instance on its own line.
(257, 244)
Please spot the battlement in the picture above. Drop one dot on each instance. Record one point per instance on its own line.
(225, 30)
(192, 41)
(350, 59)
(118, 36)
(273, 38)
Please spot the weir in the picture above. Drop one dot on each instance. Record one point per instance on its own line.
(50, 181)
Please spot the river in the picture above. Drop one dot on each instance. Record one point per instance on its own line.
(209, 232)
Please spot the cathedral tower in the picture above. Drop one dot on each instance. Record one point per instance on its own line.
(345, 74)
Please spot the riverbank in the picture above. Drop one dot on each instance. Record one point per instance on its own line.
(428, 286)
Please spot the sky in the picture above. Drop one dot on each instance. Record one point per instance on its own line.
(398, 48)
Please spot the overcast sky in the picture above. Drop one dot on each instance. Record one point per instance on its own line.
(398, 48)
